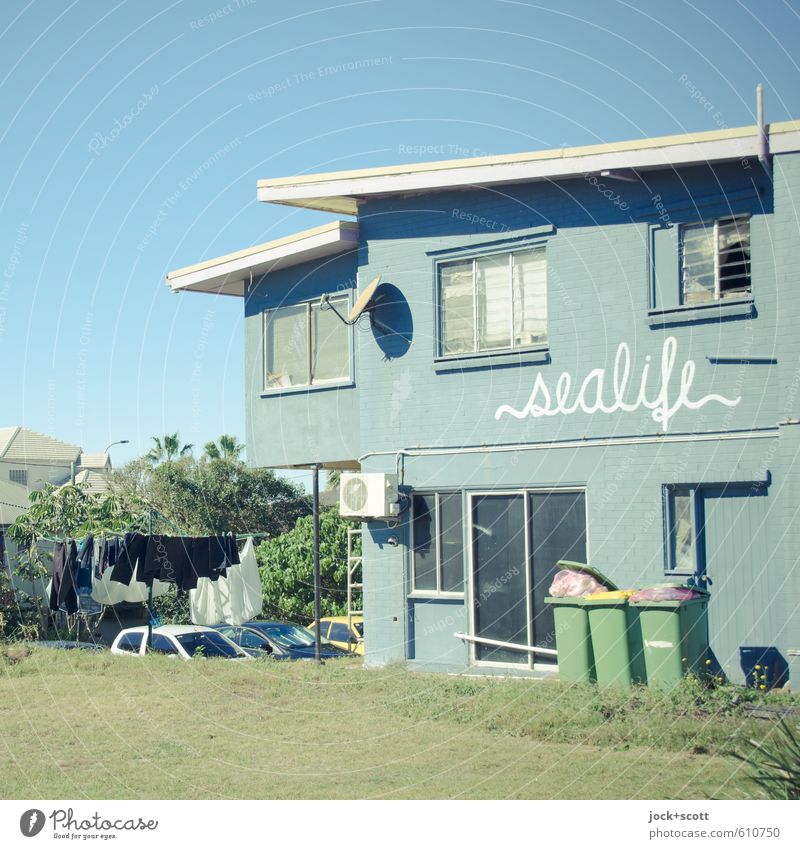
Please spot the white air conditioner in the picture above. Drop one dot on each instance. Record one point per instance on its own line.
(368, 496)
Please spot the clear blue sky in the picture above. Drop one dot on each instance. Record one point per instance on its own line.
(134, 132)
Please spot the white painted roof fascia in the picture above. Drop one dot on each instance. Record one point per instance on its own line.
(339, 191)
(226, 275)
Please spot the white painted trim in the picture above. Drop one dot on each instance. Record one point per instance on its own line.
(652, 439)
(226, 275)
(339, 191)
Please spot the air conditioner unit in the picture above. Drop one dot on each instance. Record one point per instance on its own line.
(371, 495)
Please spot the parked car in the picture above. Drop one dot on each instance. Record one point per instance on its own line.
(279, 640)
(70, 644)
(345, 632)
(184, 641)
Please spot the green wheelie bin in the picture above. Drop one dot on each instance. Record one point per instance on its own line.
(616, 639)
(573, 638)
(573, 641)
(674, 639)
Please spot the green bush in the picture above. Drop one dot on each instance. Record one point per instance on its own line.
(775, 763)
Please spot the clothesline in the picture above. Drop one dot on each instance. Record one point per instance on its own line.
(147, 518)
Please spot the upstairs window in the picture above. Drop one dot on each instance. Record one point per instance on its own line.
(305, 345)
(496, 302)
(715, 260)
(18, 476)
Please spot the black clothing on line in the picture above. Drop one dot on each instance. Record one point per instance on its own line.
(212, 555)
(168, 559)
(131, 553)
(109, 551)
(62, 588)
(83, 575)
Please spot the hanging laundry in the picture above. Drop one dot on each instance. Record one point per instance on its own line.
(169, 559)
(62, 585)
(83, 574)
(106, 590)
(212, 555)
(132, 550)
(107, 558)
(234, 599)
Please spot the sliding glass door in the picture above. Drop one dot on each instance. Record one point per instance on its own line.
(500, 576)
(517, 540)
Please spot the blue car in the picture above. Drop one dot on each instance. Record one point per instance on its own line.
(279, 640)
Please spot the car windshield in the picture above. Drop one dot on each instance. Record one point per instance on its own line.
(359, 626)
(288, 635)
(207, 644)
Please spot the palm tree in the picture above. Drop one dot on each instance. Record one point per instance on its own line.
(168, 448)
(225, 448)
(332, 479)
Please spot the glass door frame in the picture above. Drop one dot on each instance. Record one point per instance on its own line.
(531, 664)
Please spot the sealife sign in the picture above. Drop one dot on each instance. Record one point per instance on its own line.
(592, 396)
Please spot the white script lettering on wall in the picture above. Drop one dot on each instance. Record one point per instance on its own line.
(590, 398)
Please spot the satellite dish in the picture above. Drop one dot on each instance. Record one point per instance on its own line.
(363, 301)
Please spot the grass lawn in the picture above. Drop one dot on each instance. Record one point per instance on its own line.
(77, 725)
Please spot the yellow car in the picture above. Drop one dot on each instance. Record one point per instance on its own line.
(335, 629)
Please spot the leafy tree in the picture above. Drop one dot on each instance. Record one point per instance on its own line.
(225, 448)
(333, 476)
(212, 496)
(286, 565)
(168, 448)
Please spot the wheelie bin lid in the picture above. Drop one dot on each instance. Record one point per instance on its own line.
(588, 570)
(612, 595)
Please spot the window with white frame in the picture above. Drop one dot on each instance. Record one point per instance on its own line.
(18, 476)
(681, 529)
(495, 302)
(306, 345)
(437, 545)
(715, 260)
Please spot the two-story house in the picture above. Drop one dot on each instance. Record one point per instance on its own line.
(587, 354)
(30, 460)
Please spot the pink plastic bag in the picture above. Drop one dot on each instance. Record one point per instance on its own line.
(569, 584)
(665, 594)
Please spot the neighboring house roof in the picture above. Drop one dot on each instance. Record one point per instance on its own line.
(340, 191)
(227, 275)
(94, 481)
(6, 435)
(94, 461)
(30, 447)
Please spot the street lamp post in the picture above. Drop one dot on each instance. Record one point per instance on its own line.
(118, 442)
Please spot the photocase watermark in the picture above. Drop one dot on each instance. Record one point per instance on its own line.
(612, 195)
(456, 151)
(480, 220)
(168, 204)
(10, 271)
(65, 824)
(697, 95)
(661, 210)
(100, 141)
(84, 341)
(318, 73)
(219, 14)
(196, 381)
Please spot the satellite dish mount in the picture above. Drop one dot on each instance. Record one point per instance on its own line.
(366, 303)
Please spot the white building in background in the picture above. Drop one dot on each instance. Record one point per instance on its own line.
(29, 460)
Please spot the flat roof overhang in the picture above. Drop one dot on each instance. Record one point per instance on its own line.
(340, 191)
(226, 275)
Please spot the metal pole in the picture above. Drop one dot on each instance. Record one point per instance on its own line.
(149, 589)
(317, 592)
